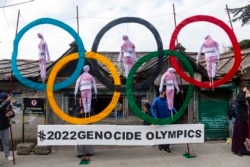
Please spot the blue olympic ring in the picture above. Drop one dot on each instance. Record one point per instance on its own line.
(40, 86)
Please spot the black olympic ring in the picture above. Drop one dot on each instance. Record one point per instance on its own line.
(142, 85)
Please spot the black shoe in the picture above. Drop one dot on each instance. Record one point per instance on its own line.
(239, 154)
(160, 147)
(167, 149)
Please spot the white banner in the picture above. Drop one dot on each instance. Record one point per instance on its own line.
(119, 134)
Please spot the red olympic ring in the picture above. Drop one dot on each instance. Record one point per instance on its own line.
(231, 35)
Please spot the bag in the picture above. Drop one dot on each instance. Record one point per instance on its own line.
(232, 109)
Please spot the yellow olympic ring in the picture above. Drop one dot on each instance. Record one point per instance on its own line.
(91, 119)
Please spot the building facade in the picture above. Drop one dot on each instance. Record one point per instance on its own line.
(206, 106)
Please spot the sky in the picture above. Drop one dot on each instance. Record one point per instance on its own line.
(93, 15)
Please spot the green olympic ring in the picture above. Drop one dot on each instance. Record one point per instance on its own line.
(129, 88)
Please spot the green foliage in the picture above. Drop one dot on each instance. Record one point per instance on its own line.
(241, 14)
(244, 44)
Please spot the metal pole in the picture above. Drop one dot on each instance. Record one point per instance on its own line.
(175, 21)
(188, 148)
(10, 92)
(230, 21)
(77, 19)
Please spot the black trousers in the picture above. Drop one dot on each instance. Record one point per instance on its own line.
(163, 146)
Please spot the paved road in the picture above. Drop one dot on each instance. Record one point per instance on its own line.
(215, 153)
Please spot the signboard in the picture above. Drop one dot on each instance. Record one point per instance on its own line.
(34, 106)
(119, 134)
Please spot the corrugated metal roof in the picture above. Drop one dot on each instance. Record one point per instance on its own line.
(30, 68)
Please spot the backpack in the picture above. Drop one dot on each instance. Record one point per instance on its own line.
(232, 109)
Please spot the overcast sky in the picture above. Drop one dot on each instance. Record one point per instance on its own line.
(95, 14)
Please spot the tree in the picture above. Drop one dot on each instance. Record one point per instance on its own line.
(241, 14)
(244, 44)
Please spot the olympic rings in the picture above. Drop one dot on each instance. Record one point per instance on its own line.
(129, 84)
(40, 86)
(94, 118)
(146, 84)
(231, 35)
(129, 89)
